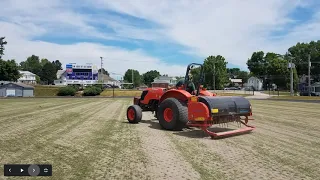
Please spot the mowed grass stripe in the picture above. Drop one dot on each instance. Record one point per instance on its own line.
(119, 150)
(7, 107)
(50, 152)
(39, 110)
(30, 106)
(35, 136)
(299, 106)
(77, 148)
(25, 124)
(285, 144)
(207, 163)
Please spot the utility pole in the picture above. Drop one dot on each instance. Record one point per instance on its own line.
(132, 77)
(214, 75)
(309, 81)
(101, 73)
(291, 77)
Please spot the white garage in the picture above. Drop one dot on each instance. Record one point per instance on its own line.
(10, 92)
(16, 90)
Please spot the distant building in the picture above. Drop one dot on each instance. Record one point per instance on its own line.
(236, 82)
(27, 77)
(64, 79)
(255, 83)
(164, 81)
(13, 89)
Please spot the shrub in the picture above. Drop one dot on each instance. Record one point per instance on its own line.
(67, 91)
(92, 91)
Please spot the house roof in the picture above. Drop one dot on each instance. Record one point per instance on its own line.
(165, 78)
(160, 81)
(60, 73)
(107, 78)
(253, 77)
(236, 80)
(316, 84)
(26, 72)
(19, 84)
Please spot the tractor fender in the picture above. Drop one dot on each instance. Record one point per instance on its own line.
(206, 93)
(177, 94)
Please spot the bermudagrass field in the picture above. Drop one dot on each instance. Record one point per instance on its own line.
(89, 138)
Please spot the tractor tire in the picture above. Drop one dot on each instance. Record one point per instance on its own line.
(134, 114)
(173, 114)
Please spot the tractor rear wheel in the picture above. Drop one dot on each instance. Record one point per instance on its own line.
(173, 114)
(134, 114)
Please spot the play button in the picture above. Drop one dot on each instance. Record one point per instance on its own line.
(21, 170)
(33, 170)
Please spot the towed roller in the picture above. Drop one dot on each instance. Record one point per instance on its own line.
(205, 111)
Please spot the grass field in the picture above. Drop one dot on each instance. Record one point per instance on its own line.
(297, 97)
(119, 93)
(89, 138)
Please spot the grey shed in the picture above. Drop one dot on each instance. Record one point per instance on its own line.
(13, 89)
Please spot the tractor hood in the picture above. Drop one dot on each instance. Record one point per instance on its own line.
(227, 105)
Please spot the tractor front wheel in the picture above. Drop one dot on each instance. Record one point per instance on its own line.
(173, 114)
(134, 114)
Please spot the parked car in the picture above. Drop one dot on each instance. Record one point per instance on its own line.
(232, 88)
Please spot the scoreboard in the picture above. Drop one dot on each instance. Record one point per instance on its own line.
(81, 72)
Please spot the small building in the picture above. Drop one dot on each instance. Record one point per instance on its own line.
(164, 81)
(13, 89)
(236, 82)
(61, 78)
(314, 89)
(255, 83)
(27, 77)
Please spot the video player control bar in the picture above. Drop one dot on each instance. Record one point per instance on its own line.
(27, 170)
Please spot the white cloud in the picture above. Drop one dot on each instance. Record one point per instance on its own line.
(231, 28)
(115, 59)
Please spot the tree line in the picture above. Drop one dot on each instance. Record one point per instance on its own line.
(214, 66)
(271, 67)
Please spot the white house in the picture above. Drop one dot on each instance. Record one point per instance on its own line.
(256, 83)
(164, 81)
(236, 82)
(27, 77)
(61, 78)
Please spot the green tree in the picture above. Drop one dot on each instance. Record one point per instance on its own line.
(233, 72)
(38, 80)
(196, 76)
(2, 43)
(136, 77)
(48, 73)
(217, 66)
(244, 75)
(57, 64)
(257, 64)
(44, 61)
(104, 72)
(300, 53)
(277, 69)
(32, 64)
(271, 67)
(9, 70)
(149, 76)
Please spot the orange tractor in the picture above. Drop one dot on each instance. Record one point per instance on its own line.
(177, 108)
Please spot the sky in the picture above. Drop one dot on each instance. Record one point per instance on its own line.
(164, 35)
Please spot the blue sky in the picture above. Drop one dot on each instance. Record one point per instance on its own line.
(144, 35)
